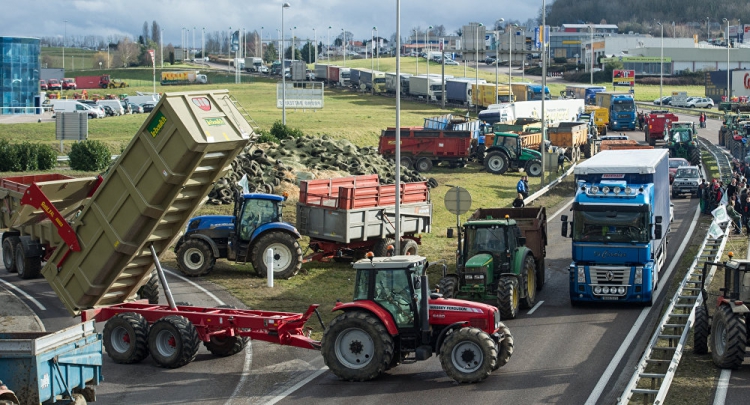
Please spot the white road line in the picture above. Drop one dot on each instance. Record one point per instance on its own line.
(538, 304)
(722, 387)
(297, 386)
(561, 209)
(209, 293)
(599, 388)
(28, 297)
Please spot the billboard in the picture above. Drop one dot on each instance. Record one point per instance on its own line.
(302, 95)
(740, 83)
(621, 77)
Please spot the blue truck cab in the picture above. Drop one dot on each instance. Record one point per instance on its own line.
(621, 107)
(619, 226)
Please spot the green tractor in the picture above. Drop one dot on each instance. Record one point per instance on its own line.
(727, 127)
(683, 143)
(501, 259)
(506, 153)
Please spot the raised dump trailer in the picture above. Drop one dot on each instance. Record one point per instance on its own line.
(528, 129)
(422, 148)
(43, 367)
(348, 216)
(573, 136)
(657, 126)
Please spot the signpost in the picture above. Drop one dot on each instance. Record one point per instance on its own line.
(458, 201)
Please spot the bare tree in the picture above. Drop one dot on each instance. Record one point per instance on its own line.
(155, 32)
(145, 35)
(127, 53)
(438, 31)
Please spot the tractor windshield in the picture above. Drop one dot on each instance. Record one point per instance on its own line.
(484, 240)
(255, 213)
(610, 226)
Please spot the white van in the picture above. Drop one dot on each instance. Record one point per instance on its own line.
(113, 104)
(75, 106)
(142, 99)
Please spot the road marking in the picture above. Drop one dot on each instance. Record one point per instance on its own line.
(722, 387)
(297, 386)
(28, 297)
(561, 209)
(209, 293)
(599, 388)
(538, 304)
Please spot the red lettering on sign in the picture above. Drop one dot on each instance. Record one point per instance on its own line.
(747, 80)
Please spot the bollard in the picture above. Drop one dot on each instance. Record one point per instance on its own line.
(269, 267)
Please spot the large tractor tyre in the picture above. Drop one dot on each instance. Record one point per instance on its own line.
(150, 290)
(540, 275)
(468, 355)
(508, 297)
(695, 157)
(126, 338)
(701, 330)
(728, 338)
(496, 162)
(409, 247)
(173, 341)
(447, 287)
(587, 150)
(534, 168)
(287, 255)
(27, 267)
(9, 258)
(651, 141)
(529, 282)
(504, 347)
(381, 247)
(423, 165)
(357, 347)
(195, 258)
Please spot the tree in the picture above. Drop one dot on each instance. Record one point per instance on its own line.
(288, 54)
(127, 53)
(438, 31)
(155, 32)
(308, 52)
(144, 36)
(271, 53)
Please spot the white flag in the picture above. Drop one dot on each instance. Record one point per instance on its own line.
(715, 231)
(243, 183)
(720, 214)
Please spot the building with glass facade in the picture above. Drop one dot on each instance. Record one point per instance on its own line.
(19, 75)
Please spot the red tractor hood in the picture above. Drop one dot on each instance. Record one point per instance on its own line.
(445, 311)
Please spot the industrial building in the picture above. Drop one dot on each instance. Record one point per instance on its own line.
(19, 75)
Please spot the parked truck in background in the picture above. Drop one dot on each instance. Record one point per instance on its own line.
(573, 137)
(619, 226)
(253, 64)
(298, 70)
(339, 76)
(621, 108)
(371, 80)
(585, 92)
(487, 94)
(390, 82)
(458, 89)
(657, 126)
(554, 111)
(529, 92)
(429, 87)
(177, 78)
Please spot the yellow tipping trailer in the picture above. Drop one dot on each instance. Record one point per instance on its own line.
(165, 173)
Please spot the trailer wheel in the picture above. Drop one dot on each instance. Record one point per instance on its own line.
(468, 355)
(381, 247)
(504, 347)
(496, 162)
(508, 297)
(173, 341)
(195, 258)
(701, 330)
(9, 258)
(357, 347)
(423, 165)
(409, 247)
(534, 168)
(125, 338)
(150, 290)
(287, 254)
(406, 162)
(28, 267)
(728, 338)
(529, 282)
(540, 275)
(447, 287)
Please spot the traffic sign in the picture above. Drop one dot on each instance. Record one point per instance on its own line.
(458, 200)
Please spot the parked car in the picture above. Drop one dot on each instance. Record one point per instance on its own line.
(43, 85)
(263, 69)
(664, 100)
(490, 60)
(54, 84)
(451, 62)
(148, 107)
(136, 109)
(674, 164)
(69, 84)
(700, 102)
(109, 111)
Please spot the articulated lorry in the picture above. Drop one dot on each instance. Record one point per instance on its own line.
(175, 78)
(619, 226)
(554, 111)
(371, 80)
(529, 92)
(621, 107)
(458, 89)
(583, 91)
(429, 87)
(390, 82)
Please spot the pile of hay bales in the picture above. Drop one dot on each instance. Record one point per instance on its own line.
(268, 166)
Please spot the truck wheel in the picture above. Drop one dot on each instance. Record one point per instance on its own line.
(150, 290)
(701, 330)
(423, 165)
(534, 168)
(409, 247)
(540, 275)
(447, 287)
(529, 281)
(496, 162)
(223, 346)
(406, 162)
(195, 258)
(173, 341)
(125, 338)
(468, 355)
(357, 347)
(287, 254)
(381, 247)
(728, 338)
(9, 258)
(587, 150)
(28, 267)
(507, 297)
(504, 347)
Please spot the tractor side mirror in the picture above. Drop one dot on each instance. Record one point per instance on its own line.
(522, 241)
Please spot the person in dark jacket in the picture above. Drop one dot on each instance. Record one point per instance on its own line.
(518, 202)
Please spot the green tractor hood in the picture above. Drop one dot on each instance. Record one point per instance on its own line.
(529, 154)
(478, 261)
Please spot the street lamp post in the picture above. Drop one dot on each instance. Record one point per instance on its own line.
(343, 45)
(328, 48)
(378, 45)
(397, 227)
(510, 62)
(294, 56)
(523, 62)
(372, 61)
(497, 64)
(203, 43)
(661, 66)
(476, 67)
(261, 42)
(283, 75)
(65, 35)
(161, 47)
(591, 44)
(726, 37)
(315, 46)
(708, 30)
(427, 47)
(192, 50)
(416, 42)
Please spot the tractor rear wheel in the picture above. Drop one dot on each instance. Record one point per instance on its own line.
(125, 338)
(728, 339)
(150, 290)
(9, 258)
(701, 330)
(173, 341)
(529, 282)
(468, 355)
(195, 258)
(357, 347)
(540, 275)
(534, 168)
(287, 255)
(381, 247)
(695, 157)
(496, 162)
(504, 347)
(447, 287)
(508, 297)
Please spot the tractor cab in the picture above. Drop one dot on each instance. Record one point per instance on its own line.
(682, 142)
(487, 252)
(507, 152)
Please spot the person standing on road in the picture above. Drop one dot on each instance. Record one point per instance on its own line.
(522, 188)
(518, 202)
(702, 120)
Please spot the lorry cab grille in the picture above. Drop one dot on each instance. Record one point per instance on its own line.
(610, 275)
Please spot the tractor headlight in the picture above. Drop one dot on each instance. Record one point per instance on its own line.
(479, 277)
(638, 275)
(497, 320)
(581, 274)
(469, 277)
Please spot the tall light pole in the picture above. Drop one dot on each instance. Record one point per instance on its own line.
(294, 54)
(261, 42)
(397, 221)
(378, 45)
(729, 90)
(708, 30)
(328, 48)
(510, 62)
(372, 61)
(661, 66)
(193, 48)
(161, 47)
(315, 34)
(427, 54)
(203, 43)
(591, 44)
(416, 42)
(475, 93)
(283, 73)
(523, 59)
(343, 45)
(544, 83)
(65, 35)
(497, 64)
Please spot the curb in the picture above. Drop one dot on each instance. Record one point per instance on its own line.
(23, 319)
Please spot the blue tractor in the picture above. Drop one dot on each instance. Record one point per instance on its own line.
(244, 237)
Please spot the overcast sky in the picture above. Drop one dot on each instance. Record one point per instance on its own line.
(40, 18)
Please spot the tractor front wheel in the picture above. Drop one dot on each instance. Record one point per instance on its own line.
(508, 297)
(504, 347)
(728, 339)
(701, 330)
(447, 287)
(357, 347)
(534, 168)
(195, 258)
(287, 255)
(468, 355)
